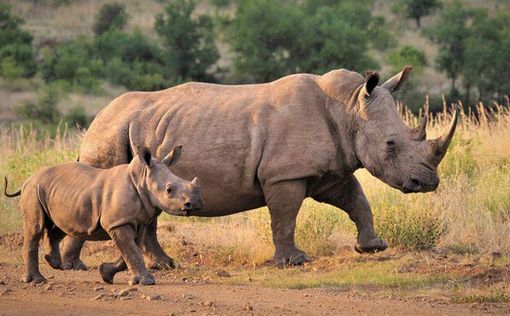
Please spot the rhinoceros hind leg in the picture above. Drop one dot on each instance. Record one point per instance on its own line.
(284, 200)
(54, 236)
(154, 254)
(71, 254)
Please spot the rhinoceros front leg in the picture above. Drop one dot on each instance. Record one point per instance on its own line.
(284, 200)
(156, 256)
(348, 195)
(71, 254)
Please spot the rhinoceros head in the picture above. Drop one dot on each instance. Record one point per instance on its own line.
(165, 190)
(396, 154)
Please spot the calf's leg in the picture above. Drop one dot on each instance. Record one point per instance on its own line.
(284, 200)
(33, 226)
(156, 256)
(127, 240)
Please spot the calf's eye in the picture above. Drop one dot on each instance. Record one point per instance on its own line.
(169, 190)
(390, 144)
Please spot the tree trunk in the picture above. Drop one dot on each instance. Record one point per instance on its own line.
(418, 21)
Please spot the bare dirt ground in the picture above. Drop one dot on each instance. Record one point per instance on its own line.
(199, 289)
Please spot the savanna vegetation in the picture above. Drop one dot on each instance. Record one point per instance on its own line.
(56, 73)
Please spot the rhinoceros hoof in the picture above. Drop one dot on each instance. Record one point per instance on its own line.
(33, 277)
(373, 246)
(296, 258)
(162, 263)
(73, 264)
(55, 263)
(107, 271)
(143, 280)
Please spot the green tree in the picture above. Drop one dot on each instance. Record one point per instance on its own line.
(132, 60)
(44, 109)
(188, 43)
(73, 63)
(407, 55)
(16, 54)
(295, 36)
(451, 32)
(110, 16)
(416, 9)
(487, 66)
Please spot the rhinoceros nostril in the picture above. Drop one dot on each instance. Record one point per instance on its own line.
(415, 182)
(187, 206)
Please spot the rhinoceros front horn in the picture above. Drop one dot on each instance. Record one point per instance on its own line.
(440, 145)
(195, 182)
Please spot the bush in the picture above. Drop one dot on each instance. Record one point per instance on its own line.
(416, 229)
(110, 16)
(315, 226)
(131, 60)
(16, 55)
(302, 37)
(77, 117)
(407, 55)
(44, 109)
(188, 43)
(74, 63)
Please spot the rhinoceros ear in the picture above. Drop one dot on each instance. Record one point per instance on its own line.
(396, 82)
(145, 156)
(173, 157)
(371, 81)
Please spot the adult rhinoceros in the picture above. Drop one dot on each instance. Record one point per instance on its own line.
(272, 144)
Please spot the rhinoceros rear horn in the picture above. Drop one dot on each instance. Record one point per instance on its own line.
(173, 157)
(440, 145)
(420, 132)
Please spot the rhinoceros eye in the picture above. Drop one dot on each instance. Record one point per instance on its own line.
(169, 189)
(391, 144)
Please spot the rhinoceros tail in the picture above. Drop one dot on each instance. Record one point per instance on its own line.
(12, 194)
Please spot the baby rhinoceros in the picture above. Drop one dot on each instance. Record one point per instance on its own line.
(100, 204)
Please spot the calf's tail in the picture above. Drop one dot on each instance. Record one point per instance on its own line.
(12, 194)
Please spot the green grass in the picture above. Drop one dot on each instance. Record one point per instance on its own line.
(373, 275)
(489, 298)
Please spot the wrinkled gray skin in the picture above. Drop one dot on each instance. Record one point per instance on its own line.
(84, 202)
(273, 144)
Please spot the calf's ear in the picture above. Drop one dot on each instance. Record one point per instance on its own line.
(173, 157)
(396, 82)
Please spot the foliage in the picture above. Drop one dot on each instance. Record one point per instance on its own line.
(187, 41)
(131, 60)
(450, 33)
(302, 37)
(16, 55)
(416, 9)
(44, 109)
(77, 117)
(407, 55)
(74, 63)
(110, 16)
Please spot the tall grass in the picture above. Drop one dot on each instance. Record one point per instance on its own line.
(23, 150)
(468, 213)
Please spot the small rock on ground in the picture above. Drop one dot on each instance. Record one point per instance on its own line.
(223, 274)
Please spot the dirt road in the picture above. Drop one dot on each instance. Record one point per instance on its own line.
(82, 293)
